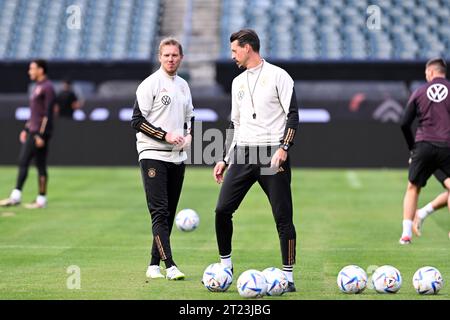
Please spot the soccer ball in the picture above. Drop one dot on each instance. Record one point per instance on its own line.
(352, 279)
(386, 279)
(252, 284)
(217, 277)
(187, 220)
(276, 280)
(427, 280)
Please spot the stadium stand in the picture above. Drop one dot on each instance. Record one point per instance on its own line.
(325, 29)
(112, 29)
(289, 29)
(121, 32)
(349, 79)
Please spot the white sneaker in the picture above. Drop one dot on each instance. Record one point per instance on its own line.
(13, 200)
(40, 203)
(154, 272)
(405, 240)
(8, 202)
(174, 274)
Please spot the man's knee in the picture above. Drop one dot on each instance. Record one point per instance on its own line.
(223, 210)
(42, 172)
(413, 188)
(447, 184)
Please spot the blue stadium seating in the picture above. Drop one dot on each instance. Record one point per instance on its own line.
(337, 29)
(289, 29)
(110, 29)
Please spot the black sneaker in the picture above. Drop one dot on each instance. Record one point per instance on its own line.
(290, 287)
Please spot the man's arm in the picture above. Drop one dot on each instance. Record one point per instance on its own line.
(189, 114)
(229, 143)
(47, 121)
(230, 138)
(220, 167)
(75, 104)
(291, 123)
(139, 123)
(189, 119)
(409, 115)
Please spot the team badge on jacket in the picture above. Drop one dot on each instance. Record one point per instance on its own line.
(151, 172)
(165, 100)
(240, 95)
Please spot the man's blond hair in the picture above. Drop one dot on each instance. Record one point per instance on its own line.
(170, 41)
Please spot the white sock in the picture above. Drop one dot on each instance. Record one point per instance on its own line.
(42, 200)
(425, 211)
(407, 228)
(16, 195)
(288, 271)
(226, 261)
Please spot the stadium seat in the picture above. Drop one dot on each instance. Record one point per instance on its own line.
(325, 29)
(118, 88)
(111, 29)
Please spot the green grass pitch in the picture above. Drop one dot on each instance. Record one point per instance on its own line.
(97, 220)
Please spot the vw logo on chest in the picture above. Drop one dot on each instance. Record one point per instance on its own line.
(165, 100)
(437, 92)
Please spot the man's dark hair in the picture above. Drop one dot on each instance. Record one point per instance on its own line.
(41, 64)
(245, 36)
(439, 64)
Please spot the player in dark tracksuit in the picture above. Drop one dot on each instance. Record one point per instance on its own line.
(35, 136)
(430, 149)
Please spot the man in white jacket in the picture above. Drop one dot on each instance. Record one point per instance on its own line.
(163, 116)
(264, 121)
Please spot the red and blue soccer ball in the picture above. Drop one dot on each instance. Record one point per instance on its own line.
(352, 279)
(217, 277)
(428, 280)
(187, 220)
(387, 279)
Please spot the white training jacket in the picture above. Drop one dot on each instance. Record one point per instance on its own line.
(263, 122)
(163, 104)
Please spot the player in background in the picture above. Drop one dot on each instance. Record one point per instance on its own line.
(66, 101)
(439, 202)
(35, 136)
(430, 149)
(163, 116)
(264, 116)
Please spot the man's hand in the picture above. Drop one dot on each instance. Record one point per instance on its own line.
(174, 138)
(187, 141)
(219, 170)
(278, 158)
(40, 143)
(411, 153)
(23, 136)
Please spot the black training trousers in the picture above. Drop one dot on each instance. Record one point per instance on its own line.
(238, 180)
(162, 183)
(28, 151)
